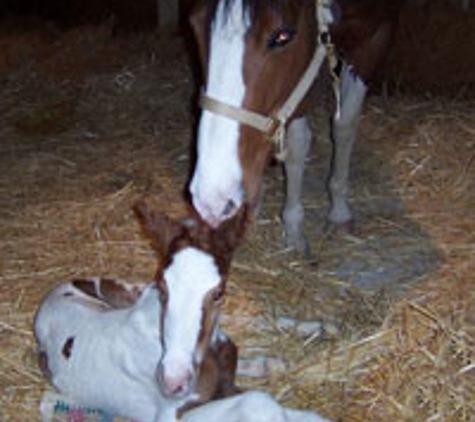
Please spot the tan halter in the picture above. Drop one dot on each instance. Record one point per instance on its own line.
(273, 127)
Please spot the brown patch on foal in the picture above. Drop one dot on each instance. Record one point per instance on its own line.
(116, 295)
(216, 375)
(109, 291)
(43, 364)
(86, 286)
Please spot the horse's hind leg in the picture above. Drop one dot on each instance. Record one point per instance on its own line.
(352, 92)
(298, 144)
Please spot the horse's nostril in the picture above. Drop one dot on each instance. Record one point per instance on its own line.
(229, 208)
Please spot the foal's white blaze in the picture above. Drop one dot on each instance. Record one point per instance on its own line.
(191, 275)
(217, 179)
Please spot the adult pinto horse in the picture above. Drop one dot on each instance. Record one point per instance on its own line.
(260, 60)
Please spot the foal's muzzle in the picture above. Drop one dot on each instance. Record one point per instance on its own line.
(177, 385)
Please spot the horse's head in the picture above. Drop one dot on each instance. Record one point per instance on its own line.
(253, 53)
(191, 280)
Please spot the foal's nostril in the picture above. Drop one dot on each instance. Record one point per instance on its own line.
(178, 390)
(229, 208)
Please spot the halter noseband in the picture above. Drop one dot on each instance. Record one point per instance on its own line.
(274, 126)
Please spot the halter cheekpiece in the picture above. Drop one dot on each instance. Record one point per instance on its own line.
(274, 126)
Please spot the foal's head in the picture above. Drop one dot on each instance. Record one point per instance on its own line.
(191, 281)
(253, 52)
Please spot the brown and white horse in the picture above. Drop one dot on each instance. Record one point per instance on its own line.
(260, 59)
(154, 351)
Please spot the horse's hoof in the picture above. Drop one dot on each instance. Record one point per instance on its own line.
(302, 249)
(341, 228)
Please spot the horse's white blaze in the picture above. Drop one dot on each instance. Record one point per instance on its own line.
(218, 174)
(191, 275)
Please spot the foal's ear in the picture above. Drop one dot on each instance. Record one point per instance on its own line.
(228, 236)
(160, 229)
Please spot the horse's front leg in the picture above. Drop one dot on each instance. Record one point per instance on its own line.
(352, 92)
(299, 137)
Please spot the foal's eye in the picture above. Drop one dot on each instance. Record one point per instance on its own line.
(281, 37)
(218, 295)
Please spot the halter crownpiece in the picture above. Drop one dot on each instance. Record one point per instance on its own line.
(274, 126)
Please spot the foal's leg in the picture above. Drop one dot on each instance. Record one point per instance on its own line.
(252, 406)
(345, 125)
(227, 357)
(298, 144)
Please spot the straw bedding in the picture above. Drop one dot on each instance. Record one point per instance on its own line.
(91, 123)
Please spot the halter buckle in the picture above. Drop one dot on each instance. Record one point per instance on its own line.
(273, 128)
(275, 133)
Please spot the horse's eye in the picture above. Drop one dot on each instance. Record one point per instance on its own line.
(281, 37)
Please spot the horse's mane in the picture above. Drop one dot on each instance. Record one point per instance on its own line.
(251, 8)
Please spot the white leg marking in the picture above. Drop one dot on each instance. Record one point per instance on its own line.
(218, 174)
(298, 140)
(345, 126)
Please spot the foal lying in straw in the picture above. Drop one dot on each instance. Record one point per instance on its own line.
(154, 352)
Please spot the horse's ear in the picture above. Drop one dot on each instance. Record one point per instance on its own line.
(160, 229)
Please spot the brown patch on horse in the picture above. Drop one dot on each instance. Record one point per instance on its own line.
(43, 364)
(270, 76)
(68, 347)
(365, 33)
(255, 153)
(199, 22)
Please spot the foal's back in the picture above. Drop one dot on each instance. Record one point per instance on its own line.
(101, 354)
